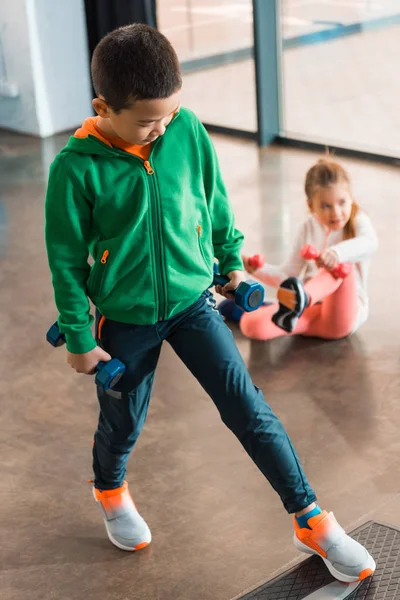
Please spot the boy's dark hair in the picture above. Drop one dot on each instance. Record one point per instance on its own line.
(135, 62)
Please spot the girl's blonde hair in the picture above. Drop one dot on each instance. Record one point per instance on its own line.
(327, 172)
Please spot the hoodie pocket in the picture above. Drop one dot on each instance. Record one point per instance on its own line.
(201, 248)
(98, 273)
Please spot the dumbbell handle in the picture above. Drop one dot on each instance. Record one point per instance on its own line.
(220, 279)
(309, 252)
(107, 373)
(249, 295)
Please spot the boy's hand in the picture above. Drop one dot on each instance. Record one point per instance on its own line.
(235, 278)
(327, 260)
(87, 363)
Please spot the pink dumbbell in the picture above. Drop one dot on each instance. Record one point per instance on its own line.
(256, 261)
(341, 271)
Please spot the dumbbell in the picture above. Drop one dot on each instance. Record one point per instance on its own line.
(107, 373)
(249, 295)
(309, 252)
(256, 261)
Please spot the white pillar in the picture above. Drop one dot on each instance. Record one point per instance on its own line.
(44, 78)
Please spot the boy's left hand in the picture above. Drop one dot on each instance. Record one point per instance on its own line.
(235, 279)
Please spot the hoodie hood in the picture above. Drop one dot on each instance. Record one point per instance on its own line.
(90, 139)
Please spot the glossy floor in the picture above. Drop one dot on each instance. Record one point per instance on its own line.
(218, 528)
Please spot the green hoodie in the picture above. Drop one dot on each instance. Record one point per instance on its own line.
(153, 229)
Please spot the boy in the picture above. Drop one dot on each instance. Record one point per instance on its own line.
(139, 188)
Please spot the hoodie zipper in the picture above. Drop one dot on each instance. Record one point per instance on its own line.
(156, 222)
(156, 218)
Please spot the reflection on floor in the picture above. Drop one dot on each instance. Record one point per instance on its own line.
(218, 527)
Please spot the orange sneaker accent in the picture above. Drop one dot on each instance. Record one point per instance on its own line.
(111, 499)
(305, 535)
(313, 522)
(287, 298)
(142, 545)
(366, 573)
(102, 494)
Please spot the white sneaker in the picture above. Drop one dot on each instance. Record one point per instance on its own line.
(346, 559)
(125, 527)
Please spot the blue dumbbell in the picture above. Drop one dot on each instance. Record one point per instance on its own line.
(107, 373)
(230, 311)
(54, 336)
(249, 295)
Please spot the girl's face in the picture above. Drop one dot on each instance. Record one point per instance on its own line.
(332, 205)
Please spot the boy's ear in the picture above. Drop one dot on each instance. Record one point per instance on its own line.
(101, 107)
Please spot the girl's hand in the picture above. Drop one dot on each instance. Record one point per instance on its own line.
(327, 260)
(87, 362)
(247, 267)
(235, 279)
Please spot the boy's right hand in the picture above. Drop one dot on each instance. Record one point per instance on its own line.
(87, 362)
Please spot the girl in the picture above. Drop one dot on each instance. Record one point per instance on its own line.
(312, 301)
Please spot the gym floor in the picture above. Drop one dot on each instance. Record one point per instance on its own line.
(218, 528)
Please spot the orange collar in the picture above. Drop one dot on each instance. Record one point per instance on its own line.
(90, 127)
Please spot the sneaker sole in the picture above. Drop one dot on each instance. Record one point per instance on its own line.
(281, 316)
(367, 572)
(286, 313)
(126, 548)
(301, 298)
(117, 543)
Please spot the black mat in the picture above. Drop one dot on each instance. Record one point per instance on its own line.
(382, 541)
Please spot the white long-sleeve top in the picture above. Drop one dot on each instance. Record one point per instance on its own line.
(357, 250)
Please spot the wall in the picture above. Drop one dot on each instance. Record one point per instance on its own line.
(17, 113)
(45, 54)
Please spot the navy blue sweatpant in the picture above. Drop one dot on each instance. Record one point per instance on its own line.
(206, 346)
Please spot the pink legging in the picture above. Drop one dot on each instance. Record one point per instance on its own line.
(331, 315)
